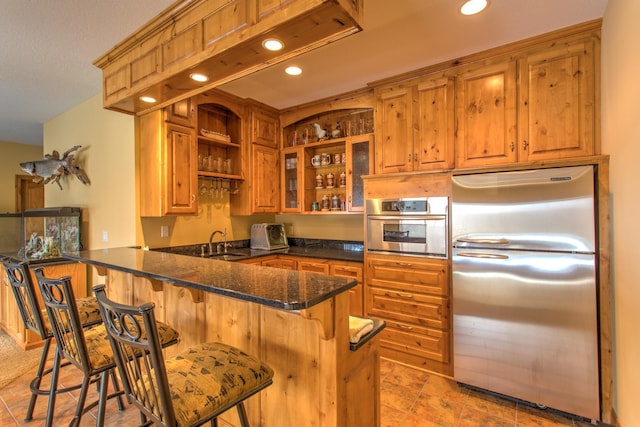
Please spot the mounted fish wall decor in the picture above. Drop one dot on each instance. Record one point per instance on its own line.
(52, 167)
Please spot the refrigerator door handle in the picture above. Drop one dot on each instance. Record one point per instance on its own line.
(481, 255)
(483, 241)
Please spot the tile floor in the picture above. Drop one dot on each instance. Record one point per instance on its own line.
(409, 398)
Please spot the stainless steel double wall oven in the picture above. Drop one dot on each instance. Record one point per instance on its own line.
(412, 226)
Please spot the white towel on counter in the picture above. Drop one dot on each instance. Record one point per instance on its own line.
(359, 327)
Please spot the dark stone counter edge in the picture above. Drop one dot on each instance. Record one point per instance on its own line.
(378, 326)
(220, 291)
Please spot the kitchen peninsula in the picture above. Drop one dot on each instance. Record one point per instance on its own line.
(297, 322)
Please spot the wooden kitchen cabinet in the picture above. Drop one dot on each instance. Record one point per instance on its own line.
(260, 190)
(10, 320)
(182, 113)
(486, 115)
(415, 125)
(220, 139)
(281, 262)
(411, 294)
(168, 162)
(350, 269)
(556, 106)
(264, 128)
(340, 127)
(539, 107)
(313, 265)
(303, 183)
(353, 270)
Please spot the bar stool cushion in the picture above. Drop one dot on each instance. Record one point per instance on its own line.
(209, 376)
(88, 312)
(99, 348)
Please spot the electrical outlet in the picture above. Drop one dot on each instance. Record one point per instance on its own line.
(164, 231)
(105, 236)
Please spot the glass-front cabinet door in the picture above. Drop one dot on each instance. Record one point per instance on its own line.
(359, 163)
(291, 179)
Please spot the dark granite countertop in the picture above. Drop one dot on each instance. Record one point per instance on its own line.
(337, 250)
(274, 287)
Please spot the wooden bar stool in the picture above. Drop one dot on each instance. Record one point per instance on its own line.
(189, 389)
(36, 320)
(88, 349)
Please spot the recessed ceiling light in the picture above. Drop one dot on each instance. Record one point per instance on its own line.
(293, 70)
(272, 44)
(471, 7)
(147, 99)
(198, 77)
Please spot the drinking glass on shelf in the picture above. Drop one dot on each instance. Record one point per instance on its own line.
(203, 188)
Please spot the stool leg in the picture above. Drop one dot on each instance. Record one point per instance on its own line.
(86, 382)
(53, 391)
(102, 402)
(116, 388)
(242, 414)
(35, 383)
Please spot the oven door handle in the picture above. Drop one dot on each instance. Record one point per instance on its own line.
(406, 217)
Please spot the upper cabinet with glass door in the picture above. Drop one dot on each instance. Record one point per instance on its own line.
(324, 158)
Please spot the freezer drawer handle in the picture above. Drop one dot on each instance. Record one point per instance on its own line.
(472, 255)
(485, 241)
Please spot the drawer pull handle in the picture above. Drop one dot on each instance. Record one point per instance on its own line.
(403, 264)
(405, 327)
(403, 295)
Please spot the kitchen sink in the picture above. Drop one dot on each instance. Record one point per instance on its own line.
(229, 256)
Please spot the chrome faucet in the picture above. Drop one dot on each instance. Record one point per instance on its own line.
(224, 235)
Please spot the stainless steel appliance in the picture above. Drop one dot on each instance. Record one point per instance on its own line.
(268, 236)
(524, 286)
(416, 226)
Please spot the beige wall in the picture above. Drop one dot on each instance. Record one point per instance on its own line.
(621, 139)
(107, 155)
(11, 155)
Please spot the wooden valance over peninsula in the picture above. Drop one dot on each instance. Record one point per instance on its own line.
(219, 38)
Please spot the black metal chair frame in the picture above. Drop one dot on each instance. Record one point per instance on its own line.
(32, 316)
(136, 347)
(62, 310)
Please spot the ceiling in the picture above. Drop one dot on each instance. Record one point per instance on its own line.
(48, 48)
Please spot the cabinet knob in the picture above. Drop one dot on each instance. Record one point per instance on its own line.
(415, 157)
(409, 158)
(512, 146)
(525, 144)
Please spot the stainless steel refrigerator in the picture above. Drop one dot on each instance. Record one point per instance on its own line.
(525, 318)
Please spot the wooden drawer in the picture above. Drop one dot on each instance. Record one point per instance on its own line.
(412, 308)
(422, 342)
(321, 267)
(354, 271)
(429, 276)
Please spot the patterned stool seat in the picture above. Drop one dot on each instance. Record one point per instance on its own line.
(210, 376)
(187, 390)
(99, 348)
(88, 312)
